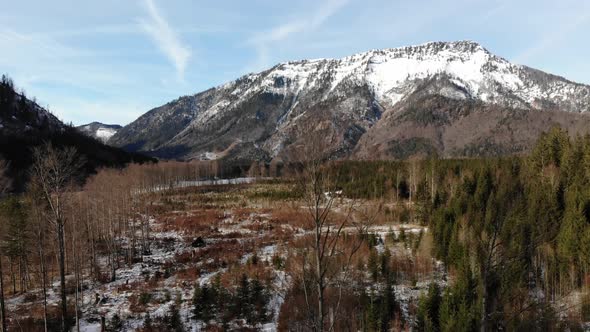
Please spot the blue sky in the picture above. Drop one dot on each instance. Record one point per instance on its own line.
(113, 60)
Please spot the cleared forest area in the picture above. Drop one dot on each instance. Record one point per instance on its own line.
(436, 245)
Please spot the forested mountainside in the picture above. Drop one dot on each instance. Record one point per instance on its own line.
(25, 125)
(452, 99)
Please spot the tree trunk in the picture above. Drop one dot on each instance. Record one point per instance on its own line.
(62, 274)
(76, 276)
(432, 186)
(12, 276)
(2, 309)
(397, 187)
(484, 309)
(77, 295)
(483, 316)
(320, 322)
(44, 283)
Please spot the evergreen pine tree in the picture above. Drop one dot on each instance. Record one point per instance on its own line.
(148, 323)
(173, 320)
(373, 265)
(385, 259)
(242, 301)
(202, 303)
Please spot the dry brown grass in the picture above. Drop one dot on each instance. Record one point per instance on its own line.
(134, 304)
(191, 273)
(289, 215)
(261, 271)
(193, 222)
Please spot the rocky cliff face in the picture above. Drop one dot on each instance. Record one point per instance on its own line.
(369, 105)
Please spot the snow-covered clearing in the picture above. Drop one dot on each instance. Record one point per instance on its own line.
(215, 244)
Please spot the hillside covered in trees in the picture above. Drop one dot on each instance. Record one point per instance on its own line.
(25, 125)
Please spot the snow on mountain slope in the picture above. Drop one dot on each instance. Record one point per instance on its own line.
(266, 111)
(394, 73)
(105, 133)
(102, 132)
(483, 75)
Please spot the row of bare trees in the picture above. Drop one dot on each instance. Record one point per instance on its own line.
(52, 174)
(80, 234)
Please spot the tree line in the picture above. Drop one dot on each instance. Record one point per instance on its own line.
(59, 230)
(513, 232)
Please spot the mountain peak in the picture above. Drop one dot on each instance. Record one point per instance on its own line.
(262, 114)
(432, 47)
(96, 123)
(466, 46)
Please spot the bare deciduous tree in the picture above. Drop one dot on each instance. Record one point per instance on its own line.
(37, 215)
(326, 265)
(53, 171)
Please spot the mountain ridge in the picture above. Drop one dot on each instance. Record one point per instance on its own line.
(260, 115)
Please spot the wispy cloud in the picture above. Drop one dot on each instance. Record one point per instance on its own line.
(493, 12)
(37, 58)
(104, 29)
(551, 39)
(263, 41)
(165, 38)
(77, 83)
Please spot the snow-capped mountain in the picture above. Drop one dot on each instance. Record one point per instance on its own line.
(360, 102)
(102, 132)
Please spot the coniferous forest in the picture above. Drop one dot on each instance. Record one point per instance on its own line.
(514, 233)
